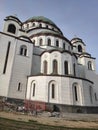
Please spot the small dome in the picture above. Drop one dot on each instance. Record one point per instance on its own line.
(40, 19)
(13, 18)
(74, 40)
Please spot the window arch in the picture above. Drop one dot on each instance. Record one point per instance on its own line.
(55, 66)
(57, 43)
(79, 48)
(75, 92)
(33, 89)
(53, 91)
(23, 50)
(12, 28)
(33, 24)
(45, 67)
(40, 25)
(40, 42)
(46, 26)
(49, 42)
(66, 67)
(33, 93)
(89, 65)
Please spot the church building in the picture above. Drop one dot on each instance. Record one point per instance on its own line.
(42, 68)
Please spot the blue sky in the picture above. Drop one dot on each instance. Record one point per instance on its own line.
(74, 17)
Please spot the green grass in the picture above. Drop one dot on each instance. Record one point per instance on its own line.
(8, 124)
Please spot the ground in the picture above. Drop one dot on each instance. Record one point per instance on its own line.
(66, 120)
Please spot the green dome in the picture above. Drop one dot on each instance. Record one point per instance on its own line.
(40, 18)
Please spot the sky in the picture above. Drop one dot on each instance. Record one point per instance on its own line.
(75, 18)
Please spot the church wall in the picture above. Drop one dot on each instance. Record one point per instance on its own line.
(36, 65)
(89, 99)
(64, 90)
(21, 69)
(94, 77)
(42, 92)
(5, 76)
(81, 71)
(74, 61)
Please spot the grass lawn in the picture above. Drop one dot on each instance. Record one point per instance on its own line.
(8, 124)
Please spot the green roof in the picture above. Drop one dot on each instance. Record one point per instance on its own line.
(49, 31)
(40, 18)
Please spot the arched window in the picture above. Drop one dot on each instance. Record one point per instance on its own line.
(49, 42)
(75, 92)
(89, 65)
(19, 87)
(33, 24)
(46, 26)
(66, 67)
(57, 43)
(55, 67)
(40, 25)
(91, 93)
(33, 89)
(40, 42)
(53, 91)
(33, 93)
(79, 48)
(23, 50)
(12, 28)
(45, 67)
(64, 46)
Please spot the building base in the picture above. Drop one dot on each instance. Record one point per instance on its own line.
(43, 106)
(32, 105)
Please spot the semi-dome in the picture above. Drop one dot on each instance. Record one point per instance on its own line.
(40, 19)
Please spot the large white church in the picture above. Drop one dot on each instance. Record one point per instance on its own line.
(41, 67)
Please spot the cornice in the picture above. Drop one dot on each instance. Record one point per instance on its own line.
(50, 34)
(66, 76)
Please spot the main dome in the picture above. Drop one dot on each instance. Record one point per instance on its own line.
(40, 19)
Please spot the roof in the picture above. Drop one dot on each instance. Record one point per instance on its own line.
(76, 39)
(40, 18)
(13, 18)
